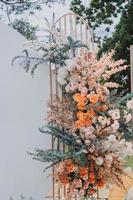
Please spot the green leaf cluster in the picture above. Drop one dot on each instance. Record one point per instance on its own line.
(56, 54)
(25, 28)
(102, 14)
(54, 156)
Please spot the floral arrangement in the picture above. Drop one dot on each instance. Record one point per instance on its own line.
(56, 51)
(93, 122)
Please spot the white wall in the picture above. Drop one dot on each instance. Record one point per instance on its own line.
(22, 112)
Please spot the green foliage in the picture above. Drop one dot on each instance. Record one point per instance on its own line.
(54, 156)
(122, 101)
(75, 152)
(16, 8)
(25, 28)
(62, 135)
(129, 161)
(20, 6)
(103, 12)
(56, 53)
(121, 41)
(99, 12)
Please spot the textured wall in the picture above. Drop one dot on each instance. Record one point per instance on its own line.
(22, 111)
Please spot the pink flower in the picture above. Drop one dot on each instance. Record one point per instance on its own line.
(86, 184)
(77, 183)
(84, 91)
(88, 130)
(81, 192)
(73, 86)
(80, 86)
(73, 192)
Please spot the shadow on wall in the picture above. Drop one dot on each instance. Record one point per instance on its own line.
(22, 111)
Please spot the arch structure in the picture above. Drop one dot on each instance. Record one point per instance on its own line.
(76, 27)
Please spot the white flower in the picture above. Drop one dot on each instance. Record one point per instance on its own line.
(130, 104)
(74, 78)
(128, 117)
(109, 158)
(78, 141)
(115, 126)
(61, 81)
(84, 151)
(103, 120)
(112, 138)
(129, 149)
(87, 142)
(89, 129)
(122, 142)
(67, 88)
(115, 114)
(69, 65)
(99, 161)
(106, 145)
(62, 73)
(92, 149)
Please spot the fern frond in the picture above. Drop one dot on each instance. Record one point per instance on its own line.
(54, 156)
(64, 136)
(123, 100)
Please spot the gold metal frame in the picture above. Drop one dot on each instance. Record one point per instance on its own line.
(75, 26)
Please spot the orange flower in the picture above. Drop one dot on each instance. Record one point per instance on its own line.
(94, 98)
(63, 179)
(76, 97)
(91, 180)
(79, 97)
(83, 172)
(100, 184)
(90, 113)
(102, 98)
(88, 122)
(104, 107)
(79, 123)
(80, 114)
(84, 119)
(81, 106)
(91, 177)
(70, 167)
(83, 122)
